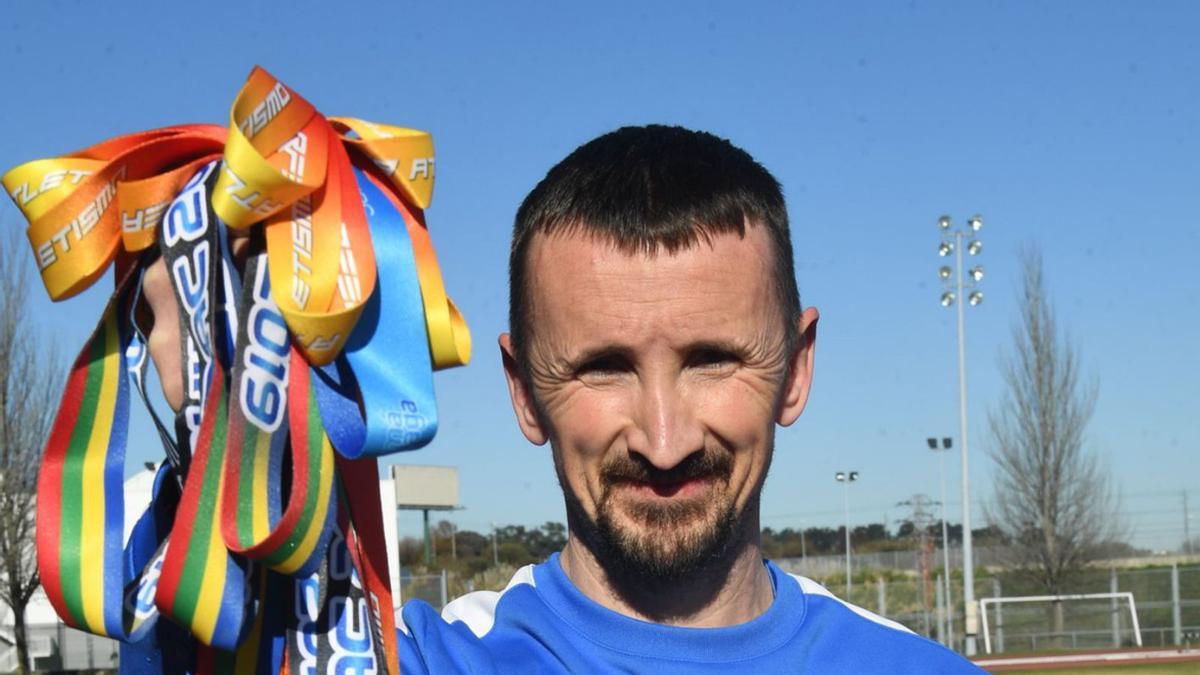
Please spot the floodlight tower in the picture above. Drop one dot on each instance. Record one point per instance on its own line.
(947, 443)
(846, 478)
(952, 243)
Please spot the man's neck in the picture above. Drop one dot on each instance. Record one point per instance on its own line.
(708, 601)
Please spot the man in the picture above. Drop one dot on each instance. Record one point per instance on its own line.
(657, 339)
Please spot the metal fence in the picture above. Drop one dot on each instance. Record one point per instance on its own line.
(432, 588)
(62, 648)
(1167, 600)
(820, 566)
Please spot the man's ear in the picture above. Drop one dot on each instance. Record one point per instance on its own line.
(800, 369)
(520, 393)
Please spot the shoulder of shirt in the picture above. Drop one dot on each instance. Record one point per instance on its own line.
(478, 609)
(905, 639)
(812, 588)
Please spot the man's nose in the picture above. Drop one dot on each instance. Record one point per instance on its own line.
(669, 429)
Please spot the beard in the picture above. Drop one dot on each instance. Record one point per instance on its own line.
(650, 542)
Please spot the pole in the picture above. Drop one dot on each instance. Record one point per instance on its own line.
(428, 540)
(453, 542)
(946, 550)
(881, 588)
(968, 557)
(949, 612)
(1176, 618)
(940, 599)
(846, 507)
(1187, 533)
(999, 615)
(924, 594)
(495, 554)
(1114, 608)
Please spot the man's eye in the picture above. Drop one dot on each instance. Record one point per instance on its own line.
(712, 358)
(604, 366)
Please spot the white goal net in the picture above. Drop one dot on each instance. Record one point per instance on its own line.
(1027, 623)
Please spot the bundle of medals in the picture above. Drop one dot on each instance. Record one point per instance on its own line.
(311, 314)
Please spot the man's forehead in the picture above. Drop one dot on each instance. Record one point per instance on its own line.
(578, 255)
(578, 281)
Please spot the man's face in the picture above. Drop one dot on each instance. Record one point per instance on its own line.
(658, 380)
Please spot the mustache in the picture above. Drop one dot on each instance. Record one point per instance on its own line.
(637, 469)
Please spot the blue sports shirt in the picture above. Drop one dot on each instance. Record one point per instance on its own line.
(541, 623)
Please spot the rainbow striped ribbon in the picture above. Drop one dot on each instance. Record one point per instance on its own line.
(81, 508)
(289, 540)
(203, 587)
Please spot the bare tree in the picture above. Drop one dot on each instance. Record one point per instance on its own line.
(1053, 498)
(29, 389)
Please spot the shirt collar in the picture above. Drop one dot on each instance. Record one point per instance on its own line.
(612, 630)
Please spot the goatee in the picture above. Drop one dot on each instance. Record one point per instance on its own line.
(647, 543)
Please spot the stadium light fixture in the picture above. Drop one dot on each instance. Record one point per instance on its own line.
(933, 445)
(954, 241)
(846, 478)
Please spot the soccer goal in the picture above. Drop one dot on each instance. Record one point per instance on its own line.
(1112, 609)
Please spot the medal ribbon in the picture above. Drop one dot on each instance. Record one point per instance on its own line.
(392, 149)
(75, 230)
(202, 586)
(216, 553)
(342, 618)
(81, 508)
(285, 164)
(368, 551)
(92, 583)
(271, 390)
(386, 363)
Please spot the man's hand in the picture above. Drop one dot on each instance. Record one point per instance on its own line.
(163, 337)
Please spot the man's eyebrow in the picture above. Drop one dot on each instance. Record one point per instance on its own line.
(717, 345)
(734, 347)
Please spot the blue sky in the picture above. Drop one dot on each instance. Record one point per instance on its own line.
(1071, 125)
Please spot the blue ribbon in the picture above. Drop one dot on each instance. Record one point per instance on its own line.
(387, 361)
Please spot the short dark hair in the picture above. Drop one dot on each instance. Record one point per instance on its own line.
(648, 187)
